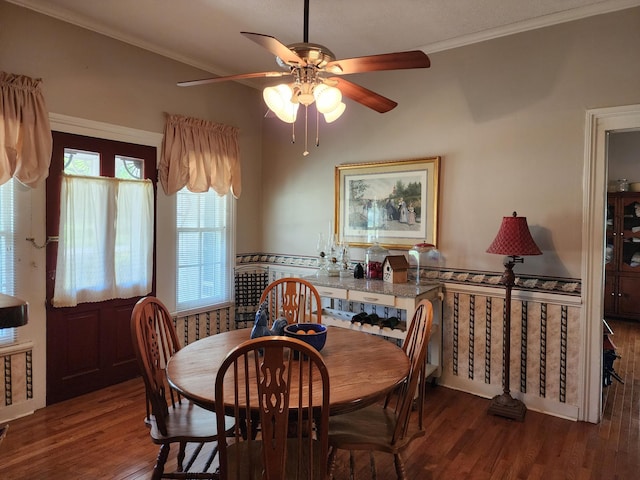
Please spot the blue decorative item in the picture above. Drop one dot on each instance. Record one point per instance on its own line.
(278, 326)
(260, 328)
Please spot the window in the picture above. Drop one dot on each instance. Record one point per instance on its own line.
(101, 205)
(204, 225)
(84, 163)
(7, 242)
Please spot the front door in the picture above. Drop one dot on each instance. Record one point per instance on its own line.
(89, 346)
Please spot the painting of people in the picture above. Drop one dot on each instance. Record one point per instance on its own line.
(388, 202)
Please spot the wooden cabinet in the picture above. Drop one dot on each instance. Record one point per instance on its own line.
(622, 256)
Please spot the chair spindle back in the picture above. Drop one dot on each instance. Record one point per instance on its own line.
(294, 298)
(154, 341)
(283, 384)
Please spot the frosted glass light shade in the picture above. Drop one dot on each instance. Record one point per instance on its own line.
(334, 114)
(278, 99)
(327, 98)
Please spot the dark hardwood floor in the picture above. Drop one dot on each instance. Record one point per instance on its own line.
(102, 436)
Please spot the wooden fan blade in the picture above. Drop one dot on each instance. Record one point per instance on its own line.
(274, 46)
(240, 76)
(385, 61)
(362, 95)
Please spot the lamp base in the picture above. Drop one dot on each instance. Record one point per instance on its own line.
(506, 406)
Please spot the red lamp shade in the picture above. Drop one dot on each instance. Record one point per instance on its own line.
(514, 239)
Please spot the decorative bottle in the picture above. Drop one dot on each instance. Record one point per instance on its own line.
(623, 185)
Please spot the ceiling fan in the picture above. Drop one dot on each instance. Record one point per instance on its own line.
(317, 76)
(311, 63)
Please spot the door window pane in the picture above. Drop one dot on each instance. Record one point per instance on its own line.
(80, 162)
(129, 168)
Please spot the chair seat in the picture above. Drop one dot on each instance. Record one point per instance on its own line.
(188, 422)
(369, 428)
(389, 430)
(249, 460)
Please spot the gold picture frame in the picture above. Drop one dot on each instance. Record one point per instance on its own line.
(394, 203)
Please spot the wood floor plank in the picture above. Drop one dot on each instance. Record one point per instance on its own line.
(102, 436)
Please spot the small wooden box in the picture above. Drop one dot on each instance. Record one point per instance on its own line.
(395, 269)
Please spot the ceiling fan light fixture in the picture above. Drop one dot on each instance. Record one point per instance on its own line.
(327, 98)
(278, 99)
(308, 63)
(305, 99)
(303, 93)
(334, 114)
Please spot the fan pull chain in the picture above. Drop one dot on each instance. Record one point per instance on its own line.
(317, 128)
(306, 130)
(293, 132)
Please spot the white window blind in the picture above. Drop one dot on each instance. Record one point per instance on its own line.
(105, 249)
(203, 229)
(7, 251)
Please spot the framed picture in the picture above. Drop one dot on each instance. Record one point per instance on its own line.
(394, 203)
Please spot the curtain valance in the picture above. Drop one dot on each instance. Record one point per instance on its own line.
(25, 133)
(200, 155)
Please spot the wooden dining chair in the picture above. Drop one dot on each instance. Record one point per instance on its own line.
(387, 428)
(172, 419)
(3, 432)
(295, 299)
(283, 384)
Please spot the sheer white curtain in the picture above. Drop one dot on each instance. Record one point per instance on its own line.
(105, 244)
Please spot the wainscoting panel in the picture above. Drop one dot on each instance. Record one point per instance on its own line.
(545, 328)
(545, 332)
(204, 324)
(17, 368)
(16, 388)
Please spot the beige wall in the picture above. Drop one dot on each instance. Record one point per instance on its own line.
(87, 75)
(506, 115)
(90, 76)
(624, 157)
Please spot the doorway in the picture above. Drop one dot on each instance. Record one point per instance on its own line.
(598, 123)
(88, 346)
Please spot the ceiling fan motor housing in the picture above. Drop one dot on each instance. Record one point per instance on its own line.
(311, 53)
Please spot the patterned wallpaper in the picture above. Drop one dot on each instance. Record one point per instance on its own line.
(544, 336)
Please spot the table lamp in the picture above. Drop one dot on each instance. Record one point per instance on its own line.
(513, 240)
(13, 311)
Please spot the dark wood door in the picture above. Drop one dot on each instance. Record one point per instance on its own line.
(88, 346)
(629, 296)
(610, 301)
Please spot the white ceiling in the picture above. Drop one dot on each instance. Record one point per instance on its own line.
(206, 33)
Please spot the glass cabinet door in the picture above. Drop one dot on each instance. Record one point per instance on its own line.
(630, 236)
(610, 250)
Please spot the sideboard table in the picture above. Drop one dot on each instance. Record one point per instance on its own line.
(402, 296)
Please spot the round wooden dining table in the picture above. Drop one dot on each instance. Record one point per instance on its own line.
(363, 368)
